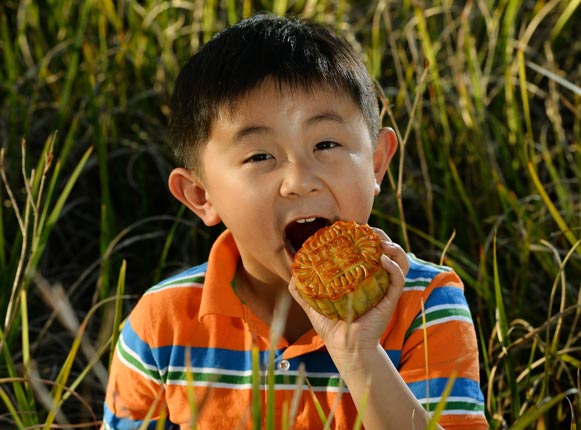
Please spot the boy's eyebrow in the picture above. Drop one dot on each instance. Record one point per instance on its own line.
(328, 115)
(250, 130)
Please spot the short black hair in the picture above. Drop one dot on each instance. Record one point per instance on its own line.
(294, 52)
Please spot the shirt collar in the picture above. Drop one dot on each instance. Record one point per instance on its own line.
(218, 296)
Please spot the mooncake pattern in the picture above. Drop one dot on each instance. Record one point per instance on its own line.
(338, 270)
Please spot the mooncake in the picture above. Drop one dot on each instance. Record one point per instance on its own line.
(338, 271)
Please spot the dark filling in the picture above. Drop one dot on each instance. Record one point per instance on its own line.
(296, 233)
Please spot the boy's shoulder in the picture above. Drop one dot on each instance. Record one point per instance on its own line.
(422, 273)
(169, 302)
(193, 277)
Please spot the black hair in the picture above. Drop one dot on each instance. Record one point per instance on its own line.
(296, 53)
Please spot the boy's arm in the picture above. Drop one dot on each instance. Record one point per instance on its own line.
(135, 390)
(377, 388)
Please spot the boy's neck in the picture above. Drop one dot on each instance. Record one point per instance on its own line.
(262, 299)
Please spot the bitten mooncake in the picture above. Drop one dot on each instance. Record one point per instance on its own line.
(338, 271)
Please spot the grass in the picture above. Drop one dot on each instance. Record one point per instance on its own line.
(485, 99)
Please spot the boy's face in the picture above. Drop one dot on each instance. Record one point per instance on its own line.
(282, 164)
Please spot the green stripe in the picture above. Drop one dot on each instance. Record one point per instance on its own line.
(411, 284)
(191, 280)
(437, 315)
(430, 264)
(137, 364)
(457, 406)
(235, 380)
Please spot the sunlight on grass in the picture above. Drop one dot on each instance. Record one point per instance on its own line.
(484, 98)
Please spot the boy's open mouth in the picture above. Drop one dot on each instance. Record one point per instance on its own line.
(300, 230)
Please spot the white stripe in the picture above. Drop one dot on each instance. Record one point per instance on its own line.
(176, 278)
(248, 372)
(444, 320)
(460, 412)
(414, 288)
(136, 369)
(158, 288)
(451, 399)
(435, 267)
(419, 279)
(445, 306)
(277, 387)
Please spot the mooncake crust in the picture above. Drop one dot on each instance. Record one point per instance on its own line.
(338, 271)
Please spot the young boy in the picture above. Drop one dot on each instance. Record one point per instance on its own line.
(276, 124)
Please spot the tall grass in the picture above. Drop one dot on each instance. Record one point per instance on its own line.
(486, 100)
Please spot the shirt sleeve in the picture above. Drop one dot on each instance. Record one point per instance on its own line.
(440, 347)
(135, 391)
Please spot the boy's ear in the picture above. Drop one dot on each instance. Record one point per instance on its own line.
(189, 190)
(385, 148)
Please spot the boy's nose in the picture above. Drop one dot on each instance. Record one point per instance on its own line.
(299, 180)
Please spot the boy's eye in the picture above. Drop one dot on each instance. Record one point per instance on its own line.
(327, 144)
(258, 157)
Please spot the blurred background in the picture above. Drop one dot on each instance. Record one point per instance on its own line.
(485, 97)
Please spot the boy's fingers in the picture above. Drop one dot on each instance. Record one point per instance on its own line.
(393, 250)
(397, 254)
(396, 274)
(383, 235)
(292, 287)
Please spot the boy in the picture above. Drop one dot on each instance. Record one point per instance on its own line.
(276, 124)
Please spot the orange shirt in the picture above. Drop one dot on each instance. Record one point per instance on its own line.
(187, 350)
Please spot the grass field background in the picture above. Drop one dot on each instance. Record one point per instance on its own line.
(485, 97)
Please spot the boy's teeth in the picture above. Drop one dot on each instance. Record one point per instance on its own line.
(304, 220)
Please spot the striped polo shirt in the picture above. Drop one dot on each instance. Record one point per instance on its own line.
(191, 351)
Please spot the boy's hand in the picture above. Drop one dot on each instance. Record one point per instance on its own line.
(341, 337)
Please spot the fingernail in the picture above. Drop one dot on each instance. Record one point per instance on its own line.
(386, 243)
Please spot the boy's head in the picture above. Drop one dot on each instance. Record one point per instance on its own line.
(292, 52)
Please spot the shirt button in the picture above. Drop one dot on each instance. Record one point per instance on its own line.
(283, 365)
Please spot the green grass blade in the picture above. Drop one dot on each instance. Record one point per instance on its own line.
(572, 5)
(25, 330)
(361, 409)
(190, 391)
(52, 218)
(524, 95)
(270, 382)
(317, 404)
(73, 67)
(256, 402)
(3, 238)
(502, 330)
(22, 392)
(567, 232)
(435, 418)
(14, 413)
(57, 393)
(118, 309)
(531, 416)
(279, 7)
(167, 244)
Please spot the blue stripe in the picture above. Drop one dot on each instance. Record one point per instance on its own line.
(394, 356)
(446, 296)
(134, 343)
(193, 271)
(420, 269)
(113, 422)
(463, 387)
(226, 359)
